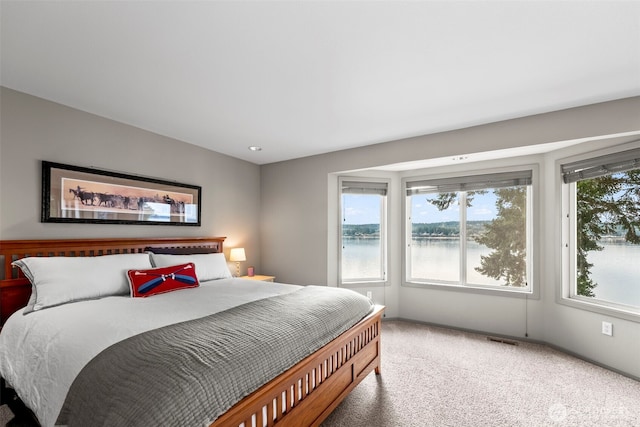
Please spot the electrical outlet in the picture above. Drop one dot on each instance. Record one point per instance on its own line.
(607, 328)
(369, 295)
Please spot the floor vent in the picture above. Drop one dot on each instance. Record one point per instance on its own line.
(502, 340)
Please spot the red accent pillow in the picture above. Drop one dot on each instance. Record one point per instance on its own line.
(144, 283)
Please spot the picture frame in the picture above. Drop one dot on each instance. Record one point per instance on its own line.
(75, 194)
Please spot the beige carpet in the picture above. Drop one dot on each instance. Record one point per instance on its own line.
(439, 377)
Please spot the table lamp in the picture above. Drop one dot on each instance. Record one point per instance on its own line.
(236, 255)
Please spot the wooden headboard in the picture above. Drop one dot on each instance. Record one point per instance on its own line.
(15, 289)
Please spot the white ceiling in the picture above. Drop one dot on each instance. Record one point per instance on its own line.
(306, 77)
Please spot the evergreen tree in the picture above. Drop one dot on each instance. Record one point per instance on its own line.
(508, 260)
(604, 205)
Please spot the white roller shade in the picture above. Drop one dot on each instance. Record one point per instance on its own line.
(600, 166)
(469, 183)
(364, 187)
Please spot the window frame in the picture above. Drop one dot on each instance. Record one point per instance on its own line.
(384, 239)
(531, 290)
(567, 294)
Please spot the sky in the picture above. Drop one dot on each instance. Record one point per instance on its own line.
(361, 209)
(483, 208)
(365, 209)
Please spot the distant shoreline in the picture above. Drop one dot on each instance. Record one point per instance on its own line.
(617, 240)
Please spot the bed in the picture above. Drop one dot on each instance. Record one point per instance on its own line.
(303, 394)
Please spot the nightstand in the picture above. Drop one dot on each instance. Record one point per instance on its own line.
(261, 278)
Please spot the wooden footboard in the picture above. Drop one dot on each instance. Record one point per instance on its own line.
(307, 393)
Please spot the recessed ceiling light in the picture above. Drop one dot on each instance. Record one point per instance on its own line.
(255, 148)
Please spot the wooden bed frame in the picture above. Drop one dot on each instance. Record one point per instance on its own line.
(302, 396)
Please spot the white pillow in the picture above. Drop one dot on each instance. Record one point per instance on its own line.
(208, 266)
(60, 280)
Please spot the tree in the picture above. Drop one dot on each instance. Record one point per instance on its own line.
(605, 205)
(508, 259)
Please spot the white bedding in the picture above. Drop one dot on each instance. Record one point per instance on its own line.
(41, 353)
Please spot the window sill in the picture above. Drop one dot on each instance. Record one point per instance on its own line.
(509, 292)
(367, 284)
(607, 310)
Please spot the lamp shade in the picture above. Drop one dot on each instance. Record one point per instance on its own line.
(237, 254)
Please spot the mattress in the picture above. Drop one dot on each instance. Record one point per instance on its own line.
(31, 359)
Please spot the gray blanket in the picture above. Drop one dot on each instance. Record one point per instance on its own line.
(190, 373)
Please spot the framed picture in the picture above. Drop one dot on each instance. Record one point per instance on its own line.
(86, 195)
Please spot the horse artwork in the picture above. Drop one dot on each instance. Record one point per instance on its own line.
(177, 206)
(119, 201)
(110, 200)
(126, 199)
(83, 195)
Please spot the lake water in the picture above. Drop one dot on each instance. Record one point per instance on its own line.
(616, 268)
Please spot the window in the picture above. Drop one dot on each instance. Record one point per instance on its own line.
(363, 231)
(470, 231)
(603, 217)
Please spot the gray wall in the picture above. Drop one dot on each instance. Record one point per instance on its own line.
(299, 227)
(33, 129)
(284, 213)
